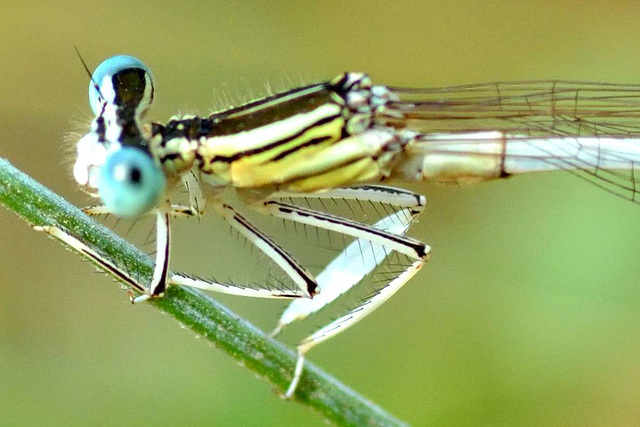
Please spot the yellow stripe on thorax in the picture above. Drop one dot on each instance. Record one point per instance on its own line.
(263, 136)
(359, 171)
(269, 154)
(290, 160)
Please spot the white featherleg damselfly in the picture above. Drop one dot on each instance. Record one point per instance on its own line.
(340, 139)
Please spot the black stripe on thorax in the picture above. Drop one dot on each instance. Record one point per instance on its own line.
(265, 111)
(269, 110)
(309, 143)
(279, 97)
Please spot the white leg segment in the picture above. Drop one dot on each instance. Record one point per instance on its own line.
(177, 211)
(350, 319)
(411, 247)
(296, 377)
(234, 289)
(362, 311)
(163, 245)
(197, 201)
(355, 262)
(373, 193)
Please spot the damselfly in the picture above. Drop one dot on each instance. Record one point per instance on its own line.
(340, 139)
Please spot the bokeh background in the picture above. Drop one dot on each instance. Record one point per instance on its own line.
(526, 315)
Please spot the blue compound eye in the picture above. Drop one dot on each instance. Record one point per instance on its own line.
(130, 183)
(122, 80)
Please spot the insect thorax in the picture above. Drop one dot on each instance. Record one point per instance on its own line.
(283, 138)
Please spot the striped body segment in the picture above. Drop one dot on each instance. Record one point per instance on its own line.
(313, 138)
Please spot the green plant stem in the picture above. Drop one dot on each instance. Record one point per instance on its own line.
(39, 206)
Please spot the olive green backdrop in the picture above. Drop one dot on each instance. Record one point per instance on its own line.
(527, 313)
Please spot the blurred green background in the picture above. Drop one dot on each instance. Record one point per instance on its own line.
(527, 313)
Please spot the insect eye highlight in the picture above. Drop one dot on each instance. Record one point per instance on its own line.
(130, 182)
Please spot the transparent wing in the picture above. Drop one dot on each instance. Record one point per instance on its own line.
(532, 108)
(590, 129)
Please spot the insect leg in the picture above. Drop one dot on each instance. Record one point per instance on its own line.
(301, 277)
(177, 211)
(360, 258)
(350, 319)
(396, 197)
(402, 244)
(163, 213)
(163, 244)
(182, 279)
(174, 278)
(98, 259)
(345, 271)
(197, 201)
